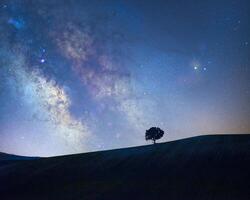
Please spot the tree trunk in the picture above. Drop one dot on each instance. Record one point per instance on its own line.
(154, 141)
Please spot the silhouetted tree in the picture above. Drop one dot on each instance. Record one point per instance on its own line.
(154, 133)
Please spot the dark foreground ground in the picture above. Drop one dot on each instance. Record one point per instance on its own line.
(199, 168)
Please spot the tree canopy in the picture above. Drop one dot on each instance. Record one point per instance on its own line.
(154, 133)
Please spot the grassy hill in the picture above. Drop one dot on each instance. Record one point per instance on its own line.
(198, 168)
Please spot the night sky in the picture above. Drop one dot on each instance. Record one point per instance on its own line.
(78, 76)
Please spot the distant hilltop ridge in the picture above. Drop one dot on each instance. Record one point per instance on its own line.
(4, 155)
(215, 167)
(7, 157)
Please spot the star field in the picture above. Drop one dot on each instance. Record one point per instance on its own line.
(80, 76)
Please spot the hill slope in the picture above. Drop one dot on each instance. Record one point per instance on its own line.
(202, 168)
(9, 157)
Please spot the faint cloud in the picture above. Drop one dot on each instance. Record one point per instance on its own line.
(17, 23)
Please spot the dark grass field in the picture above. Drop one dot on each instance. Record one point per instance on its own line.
(198, 168)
